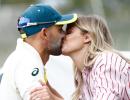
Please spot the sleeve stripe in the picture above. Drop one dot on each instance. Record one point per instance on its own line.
(115, 67)
(127, 94)
(105, 69)
(108, 96)
(111, 72)
(123, 67)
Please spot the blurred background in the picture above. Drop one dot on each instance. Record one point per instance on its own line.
(116, 12)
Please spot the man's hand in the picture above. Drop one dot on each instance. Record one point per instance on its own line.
(46, 92)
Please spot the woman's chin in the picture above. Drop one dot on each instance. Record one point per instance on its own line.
(64, 52)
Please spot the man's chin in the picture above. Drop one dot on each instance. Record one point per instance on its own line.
(56, 52)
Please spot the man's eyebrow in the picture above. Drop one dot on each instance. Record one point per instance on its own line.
(60, 26)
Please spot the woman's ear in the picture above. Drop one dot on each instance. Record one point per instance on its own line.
(87, 38)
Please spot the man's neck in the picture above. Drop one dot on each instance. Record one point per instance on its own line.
(39, 48)
(44, 57)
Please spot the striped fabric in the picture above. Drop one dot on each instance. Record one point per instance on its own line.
(109, 79)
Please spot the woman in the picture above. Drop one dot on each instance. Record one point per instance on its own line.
(100, 72)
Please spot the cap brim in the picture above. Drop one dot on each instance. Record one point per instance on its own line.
(67, 19)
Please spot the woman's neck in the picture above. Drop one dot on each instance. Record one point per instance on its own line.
(78, 58)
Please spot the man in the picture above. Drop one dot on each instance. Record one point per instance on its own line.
(41, 29)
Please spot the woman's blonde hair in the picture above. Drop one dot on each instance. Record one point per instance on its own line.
(101, 41)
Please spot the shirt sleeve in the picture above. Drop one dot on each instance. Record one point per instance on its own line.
(111, 77)
(27, 76)
(127, 88)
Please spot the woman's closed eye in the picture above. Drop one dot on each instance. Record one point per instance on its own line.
(69, 31)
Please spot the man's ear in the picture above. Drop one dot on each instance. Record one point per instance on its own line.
(87, 38)
(44, 33)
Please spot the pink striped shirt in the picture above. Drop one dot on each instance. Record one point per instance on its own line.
(109, 79)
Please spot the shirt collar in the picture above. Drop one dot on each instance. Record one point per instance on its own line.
(25, 47)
